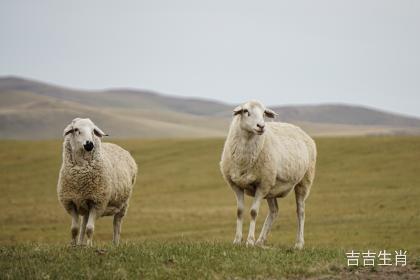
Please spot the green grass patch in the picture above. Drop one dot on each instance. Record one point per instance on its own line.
(162, 260)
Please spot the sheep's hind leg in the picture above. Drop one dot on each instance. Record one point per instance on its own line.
(271, 216)
(301, 192)
(117, 225)
(83, 229)
(239, 213)
(90, 227)
(254, 213)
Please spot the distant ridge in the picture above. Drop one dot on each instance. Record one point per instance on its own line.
(345, 114)
(35, 110)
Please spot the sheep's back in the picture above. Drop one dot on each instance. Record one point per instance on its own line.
(122, 172)
(296, 150)
(286, 131)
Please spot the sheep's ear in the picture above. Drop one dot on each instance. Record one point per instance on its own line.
(270, 113)
(68, 129)
(98, 132)
(238, 110)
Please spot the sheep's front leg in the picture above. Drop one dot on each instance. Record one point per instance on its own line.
(239, 213)
(74, 225)
(83, 229)
(255, 207)
(90, 227)
(271, 216)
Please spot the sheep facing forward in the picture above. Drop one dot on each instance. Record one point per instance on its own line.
(267, 161)
(96, 179)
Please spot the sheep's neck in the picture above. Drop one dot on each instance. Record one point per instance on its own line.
(246, 148)
(82, 157)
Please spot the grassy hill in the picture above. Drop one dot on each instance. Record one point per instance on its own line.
(35, 110)
(27, 115)
(182, 215)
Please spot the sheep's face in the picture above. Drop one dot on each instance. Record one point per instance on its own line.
(83, 134)
(252, 116)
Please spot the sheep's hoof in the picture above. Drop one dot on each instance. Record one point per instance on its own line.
(250, 242)
(237, 241)
(89, 243)
(260, 243)
(298, 246)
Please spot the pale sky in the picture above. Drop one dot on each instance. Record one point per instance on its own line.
(281, 52)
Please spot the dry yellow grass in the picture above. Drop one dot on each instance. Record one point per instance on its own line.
(365, 195)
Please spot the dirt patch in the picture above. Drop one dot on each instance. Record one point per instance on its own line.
(389, 273)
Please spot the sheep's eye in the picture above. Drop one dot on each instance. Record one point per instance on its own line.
(247, 112)
(76, 130)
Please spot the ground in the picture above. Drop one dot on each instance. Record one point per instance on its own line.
(181, 218)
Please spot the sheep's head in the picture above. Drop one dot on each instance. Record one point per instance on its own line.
(252, 116)
(83, 134)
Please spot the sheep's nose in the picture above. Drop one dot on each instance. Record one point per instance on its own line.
(261, 126)
(88, 146)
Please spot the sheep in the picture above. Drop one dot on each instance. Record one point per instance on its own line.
(266, 161)
(96, 179)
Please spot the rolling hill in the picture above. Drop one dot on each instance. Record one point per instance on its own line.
(34, 110)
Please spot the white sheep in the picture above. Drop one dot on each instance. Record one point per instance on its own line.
(96, 179)
(267, 161)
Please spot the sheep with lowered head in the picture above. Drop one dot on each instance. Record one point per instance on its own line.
(267, 161)
(96, 179)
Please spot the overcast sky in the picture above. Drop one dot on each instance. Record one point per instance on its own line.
(281, 52)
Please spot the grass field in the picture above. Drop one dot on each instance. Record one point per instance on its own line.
(182, 215)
